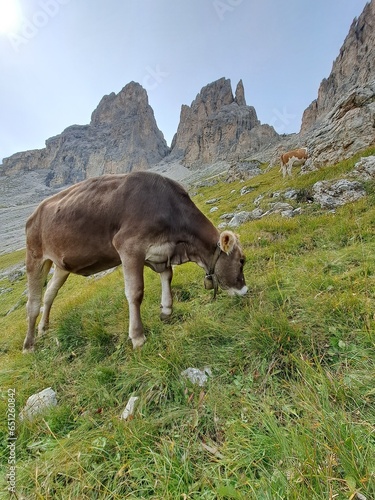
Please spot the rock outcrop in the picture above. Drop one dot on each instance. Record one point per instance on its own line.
(341, 121)
(353, 68)
(122, 136)
(348, 128)
(219, 126)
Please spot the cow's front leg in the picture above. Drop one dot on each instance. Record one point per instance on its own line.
(289, 167)
(134, 286)
(166, 293)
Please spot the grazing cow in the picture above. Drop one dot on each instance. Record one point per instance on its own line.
(295, 157)
(134, 219)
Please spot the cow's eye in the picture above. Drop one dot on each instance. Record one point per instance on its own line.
(242, 261)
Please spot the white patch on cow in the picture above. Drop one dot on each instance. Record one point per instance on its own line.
(159, 252)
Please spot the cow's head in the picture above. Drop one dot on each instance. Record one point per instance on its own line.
(227, 268)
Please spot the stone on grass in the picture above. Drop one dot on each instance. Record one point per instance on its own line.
(38, 403)
(335, 194)
(364, 169)
(244, 216)
(129, 408)
(196, 376)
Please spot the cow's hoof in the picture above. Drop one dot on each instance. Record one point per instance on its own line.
(28, 349)
(138, 342)
(165, 317)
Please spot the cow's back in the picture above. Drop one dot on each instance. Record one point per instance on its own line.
(80, 223)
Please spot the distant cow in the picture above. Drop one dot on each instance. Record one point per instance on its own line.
(295, 157)
(134, 219)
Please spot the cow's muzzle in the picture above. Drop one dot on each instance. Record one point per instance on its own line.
(235, 291)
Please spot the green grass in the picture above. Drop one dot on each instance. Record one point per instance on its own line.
(288, 412)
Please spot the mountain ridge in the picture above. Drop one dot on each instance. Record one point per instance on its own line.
(218, 126)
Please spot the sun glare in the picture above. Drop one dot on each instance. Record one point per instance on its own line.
(10, 16)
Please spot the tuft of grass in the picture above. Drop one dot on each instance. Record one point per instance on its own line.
(288, 410)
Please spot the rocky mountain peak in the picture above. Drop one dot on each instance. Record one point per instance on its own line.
(122, 136)
(353, 67)
(213, 97)
(116, 107)
(218, 126)
(240, 94)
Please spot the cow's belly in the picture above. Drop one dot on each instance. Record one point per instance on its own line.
(96, 267)
(297, 161)
(87, 267)
(86, 262)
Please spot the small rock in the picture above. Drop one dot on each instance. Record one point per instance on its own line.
(129, 408)
(244, 170)
(214, 209)
(246, 190)
(258, 199)
(291, 194)
(196, 376)
(212, 201)
(227, 216)
(38, 403)
(287, 214)
(242, 217)
(279, 208)
(359, 496)
(17, 274)
(364, 169)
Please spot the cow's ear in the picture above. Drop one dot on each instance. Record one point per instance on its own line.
(227, 241)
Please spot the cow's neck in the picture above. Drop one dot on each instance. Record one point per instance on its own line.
(202, 249)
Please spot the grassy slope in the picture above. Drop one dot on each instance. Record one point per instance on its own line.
(289, 410)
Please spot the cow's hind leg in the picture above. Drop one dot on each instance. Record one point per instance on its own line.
(37, 271)
(166, 294)
(134, 287)
(58, 279)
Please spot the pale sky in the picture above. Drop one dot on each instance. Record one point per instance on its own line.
(59, 57)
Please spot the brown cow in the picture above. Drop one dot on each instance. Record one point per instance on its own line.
(134, 219)
(295, 157)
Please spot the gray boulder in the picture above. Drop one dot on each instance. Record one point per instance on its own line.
(38, 403)
(364, 169)
(244, 216)
(332, 194)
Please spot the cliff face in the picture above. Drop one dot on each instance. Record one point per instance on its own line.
(219, 126)
(353, 68)
(341, 121)
(122, 136)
